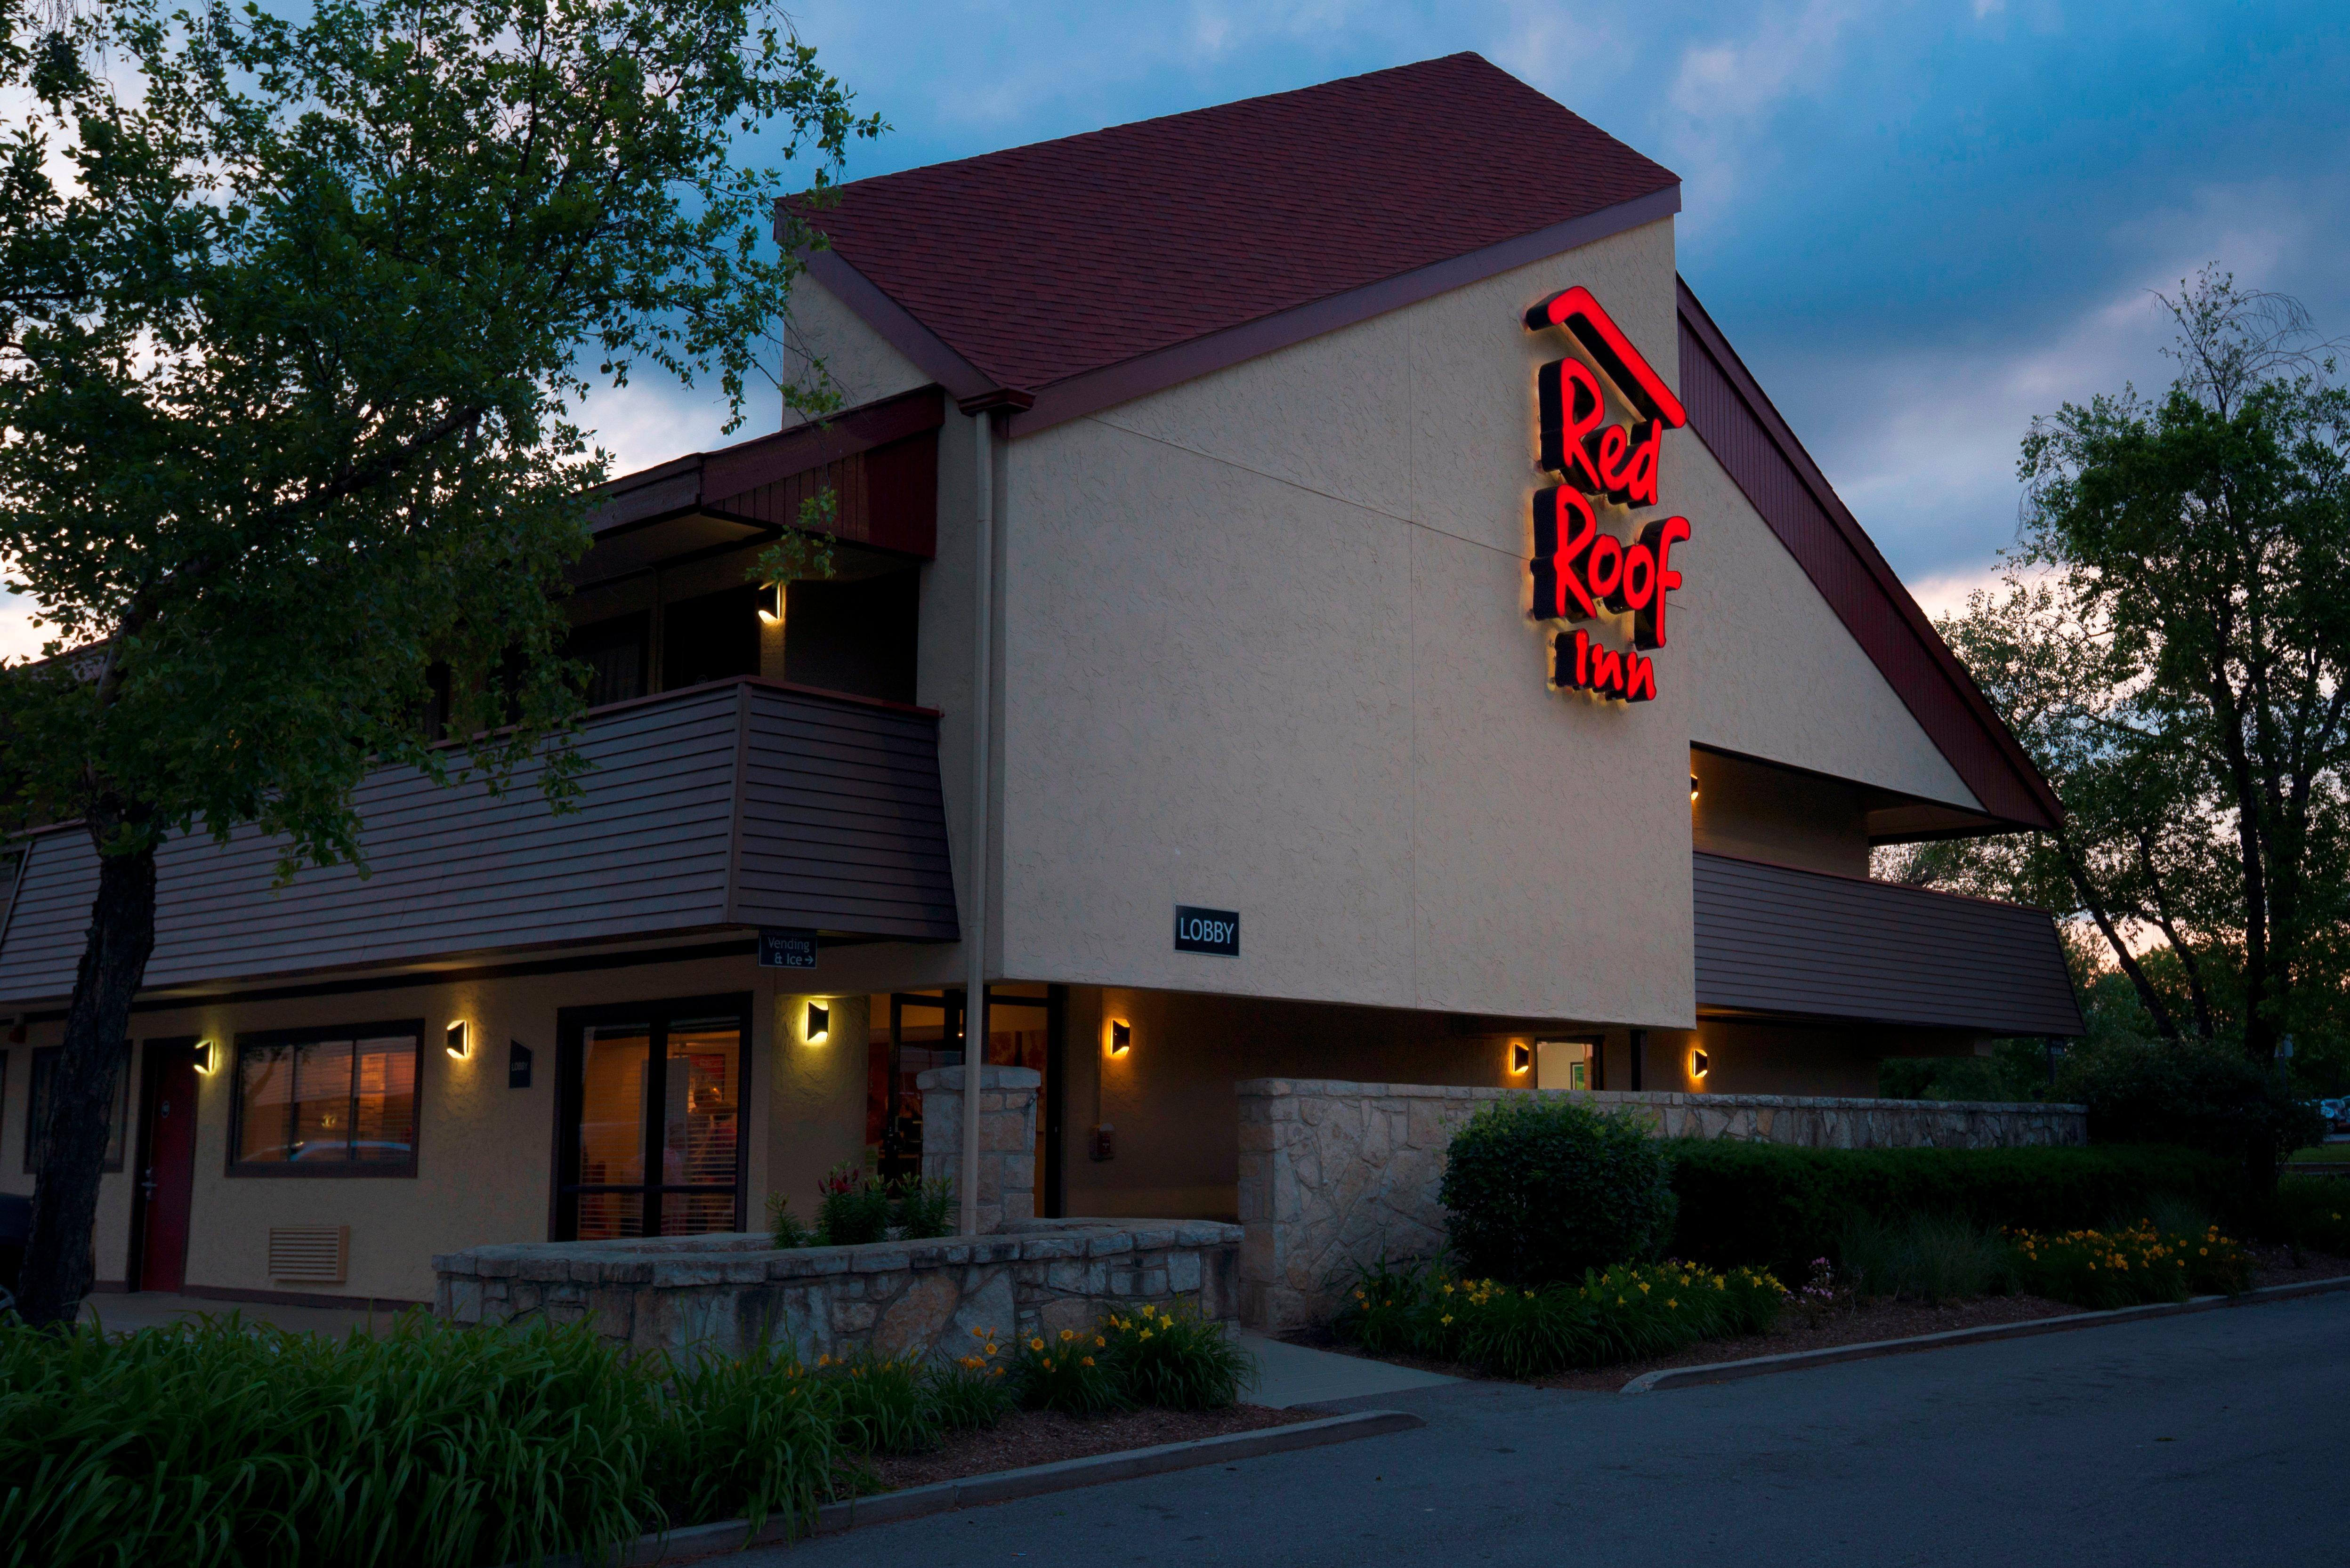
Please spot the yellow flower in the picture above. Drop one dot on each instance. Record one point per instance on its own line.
(1447, 1318)
(1035, 1344)
(1100, 1344)
(1644, 1287)
(1067, 1334)
(1090, 1361)
(1145, 1334)
(824, 1361)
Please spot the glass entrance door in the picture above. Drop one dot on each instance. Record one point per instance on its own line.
(925, 1030)
(652, 1107)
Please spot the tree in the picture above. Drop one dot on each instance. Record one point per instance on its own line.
(293, 327)
(2172, 647)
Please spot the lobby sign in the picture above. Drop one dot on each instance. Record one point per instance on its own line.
(1198, 930)
(1579, 569)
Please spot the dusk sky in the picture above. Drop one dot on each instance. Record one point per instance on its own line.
(1920, 223)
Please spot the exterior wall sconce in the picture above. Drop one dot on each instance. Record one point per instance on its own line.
(1121, 1037)
(819, 1022)
(1698, 1064)
(770, 604)
(1522, 1056)
(1692, 786)
(205, 1056)
(459, 1040)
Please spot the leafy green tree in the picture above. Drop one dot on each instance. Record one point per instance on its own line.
(2172, 646)
(296, 319)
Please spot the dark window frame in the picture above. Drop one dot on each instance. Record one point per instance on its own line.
(33, 1086)
(571, 1024)
(322, 1169)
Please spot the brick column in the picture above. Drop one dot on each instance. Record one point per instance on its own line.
(1007, 1138)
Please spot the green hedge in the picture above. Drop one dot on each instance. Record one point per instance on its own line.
(1779, 1207)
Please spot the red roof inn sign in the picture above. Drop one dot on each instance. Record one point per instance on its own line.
(1578, 570)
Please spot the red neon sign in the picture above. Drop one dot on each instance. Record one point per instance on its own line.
(1578, 570)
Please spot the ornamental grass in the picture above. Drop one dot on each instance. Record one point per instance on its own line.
(225, 1443)
(431, 1445)
(1625, 1312)
(2126, 1266)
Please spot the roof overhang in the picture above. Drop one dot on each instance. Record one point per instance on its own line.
(1093, 390)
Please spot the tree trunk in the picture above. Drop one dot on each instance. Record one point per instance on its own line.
(84, 1086)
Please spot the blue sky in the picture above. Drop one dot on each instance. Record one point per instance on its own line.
(1921, 223)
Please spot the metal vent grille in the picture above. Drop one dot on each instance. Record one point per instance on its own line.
(309, 1254)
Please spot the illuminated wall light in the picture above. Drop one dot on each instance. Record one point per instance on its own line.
(1522, 1056)
(459, 1040)
(206, 1055)
(1698, 1064)
(770, 604)
(819, 1022)
(1121, 1037)
(1692, 786)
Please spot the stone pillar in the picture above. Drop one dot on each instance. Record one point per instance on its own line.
(1007, 1134)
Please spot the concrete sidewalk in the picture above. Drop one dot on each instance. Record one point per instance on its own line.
(1291, 1375)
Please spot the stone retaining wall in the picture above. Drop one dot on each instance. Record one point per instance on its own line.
(729, 1293)
(1333, 1175)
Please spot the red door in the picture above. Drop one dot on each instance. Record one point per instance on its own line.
(167, 1164)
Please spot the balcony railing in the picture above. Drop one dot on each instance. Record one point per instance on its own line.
(740, 803)
(1775, 941)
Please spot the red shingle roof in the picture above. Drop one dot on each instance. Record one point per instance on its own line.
(1046, 262)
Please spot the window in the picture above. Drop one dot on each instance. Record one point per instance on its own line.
(614, 652)
(652, 1103)
(45, 1062)
(326, 1102)
(709, 637)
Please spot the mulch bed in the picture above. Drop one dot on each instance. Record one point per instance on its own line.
(1873, 1321)
(1043, 1436)
(2274, 1265)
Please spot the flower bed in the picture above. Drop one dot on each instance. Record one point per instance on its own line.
(218, 1443)
(1615, 1315)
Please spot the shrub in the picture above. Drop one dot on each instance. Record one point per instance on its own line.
(878, 1404)
(220, 1443)
(785, 1227)
(1782, 1207)
(744, 1438)
(2311, 1211)
(1070, 1372)
(1540, 1190)
(1927, 1258)
(2193, 1094)
(2101, 1270)
(921, 1209)
(1620, 1314)
(851, 1207)
(1177, 1361)
(972, 1391)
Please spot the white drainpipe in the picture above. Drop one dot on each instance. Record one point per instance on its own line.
(975, 931)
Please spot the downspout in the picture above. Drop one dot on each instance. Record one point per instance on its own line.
(982, 711)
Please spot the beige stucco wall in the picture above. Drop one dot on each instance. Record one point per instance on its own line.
(1762, 812)
(485, 1153)
(1771, 671)
(1266, 649)
(825, 340)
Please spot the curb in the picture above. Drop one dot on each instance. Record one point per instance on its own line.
(1669, 1378)
(1005, 1486)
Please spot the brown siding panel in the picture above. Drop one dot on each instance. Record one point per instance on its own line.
(844, 826)
(842, 829)
(1774, 940)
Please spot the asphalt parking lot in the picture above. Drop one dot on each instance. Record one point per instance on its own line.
(2214, 1438)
